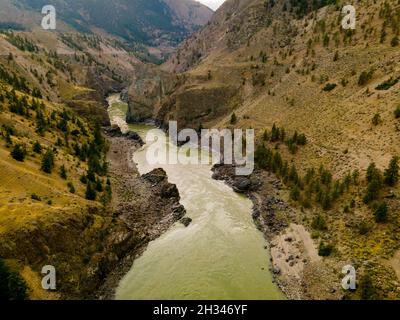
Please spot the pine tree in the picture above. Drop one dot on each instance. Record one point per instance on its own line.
(391, 174)
(275, 133)
(48, 161)
(371, 172)
(233, 118)
(99, 186)
(63, 172)
(71, 187)
(37, 148)
(381, 213)
(18, 153)
(90, 192)
(295, 193)
(293, 175)
(262, 156)
(8, 138)
(374, 178)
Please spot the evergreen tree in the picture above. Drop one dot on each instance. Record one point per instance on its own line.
(233, 118)
(48, 161)
(63, 172)
(293, 175)
(18, 153)
(262, 156)
(99, 186)
(90, 192)
(37, 148)
(371, 172)
(275, 133)
(8, 138)
(295, 193)
(381, 213)
(71, 187)
(391, 174)
(374, 178)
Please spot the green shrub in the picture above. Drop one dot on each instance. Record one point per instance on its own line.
(325, 250)
(395, 41)
(319, 223)
(363, 228)
(329, 86)
(365, 76)
(381, 213)
(376, 119)
(386, 85)
(34, 196)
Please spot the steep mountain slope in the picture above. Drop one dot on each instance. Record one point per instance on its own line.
(56, 205)
(155, 23)
(259, 63)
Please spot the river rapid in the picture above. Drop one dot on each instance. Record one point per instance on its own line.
(220, 255)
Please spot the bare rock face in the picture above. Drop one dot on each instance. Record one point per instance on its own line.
(192, 105)
(156, 176)
(146, 92)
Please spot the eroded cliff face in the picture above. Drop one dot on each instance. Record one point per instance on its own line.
(190, 99)
(147, 91)
(193, 105)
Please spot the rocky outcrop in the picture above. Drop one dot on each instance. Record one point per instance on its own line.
(115, 131)
(144, 207)
(240, 184)
(149, 87)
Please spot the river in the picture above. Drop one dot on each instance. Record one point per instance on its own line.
(220, 255)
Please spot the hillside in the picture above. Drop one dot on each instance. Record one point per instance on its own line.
(62, 193)
(152, 23)
(290, 64)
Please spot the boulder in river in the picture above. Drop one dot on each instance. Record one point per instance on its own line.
(186, 221)
(241, 184)
(179, 211)
(134, 136)
(155, 176)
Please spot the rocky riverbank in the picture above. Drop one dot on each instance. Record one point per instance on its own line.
(143, 207)
(297, 269)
